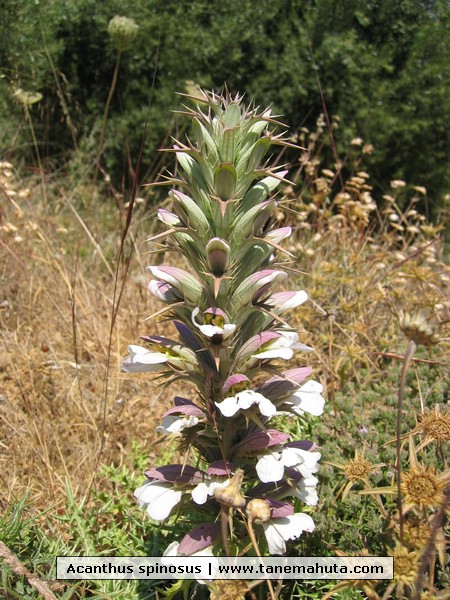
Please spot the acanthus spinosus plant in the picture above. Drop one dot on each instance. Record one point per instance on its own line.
(231, 328)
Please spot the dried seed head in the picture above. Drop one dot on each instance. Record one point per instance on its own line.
(358, 469)
(415, 327)
(406, 564)
(435, 424)
(397, 183)
(228, 590)
(416, 533)
(422, 487)
(258, 510)
(231, 495)
(122, 31)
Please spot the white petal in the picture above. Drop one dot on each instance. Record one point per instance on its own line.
(163, 276)
(160, 499)
(303, 461)
(200, 493)
(274, 539)
(141, 354)
(247, 398)
(269, 468)
(266, 407)
(302, 347)
(285, 353)
(228, 329)
(211, 330)
(172, 549)
(287, 528)
(306, 490)
(229, 407)
(308, 399)
(176, 424)
(299, 298)
(290, 336)
(142, 360)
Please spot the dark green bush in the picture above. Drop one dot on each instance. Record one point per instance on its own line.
(382, 66)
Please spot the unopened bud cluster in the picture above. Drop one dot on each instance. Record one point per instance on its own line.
(122, 31)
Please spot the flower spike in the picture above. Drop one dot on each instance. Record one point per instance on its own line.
(229, 316)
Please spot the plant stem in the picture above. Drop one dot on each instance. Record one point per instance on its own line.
(105, 114)
(224, 513)
(410, 350)
(18, 568)
(38, 156)
(254, 541)
(437, 523)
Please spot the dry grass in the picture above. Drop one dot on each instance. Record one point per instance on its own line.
(58, 396)
(63, 400)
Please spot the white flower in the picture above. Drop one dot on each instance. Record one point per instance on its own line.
(282, 346)
(270, 467)
(176, 423)
(307, 398)
(172, 550)
(164, 291)
(279, 530)
(243, 400)
(305, 490)
(212, 329)
(206, 488)
(141, 360)
(160, 499)
(281, 302)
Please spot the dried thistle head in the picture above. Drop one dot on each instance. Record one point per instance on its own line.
(406, 564)
(416, 533)
(422, 487)
(416, 327)
(435, 424)
(357, 469)
(228, 590)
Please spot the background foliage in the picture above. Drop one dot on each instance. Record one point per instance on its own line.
(382, 66)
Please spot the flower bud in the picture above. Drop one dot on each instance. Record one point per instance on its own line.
(218, 252)
(122, 31)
